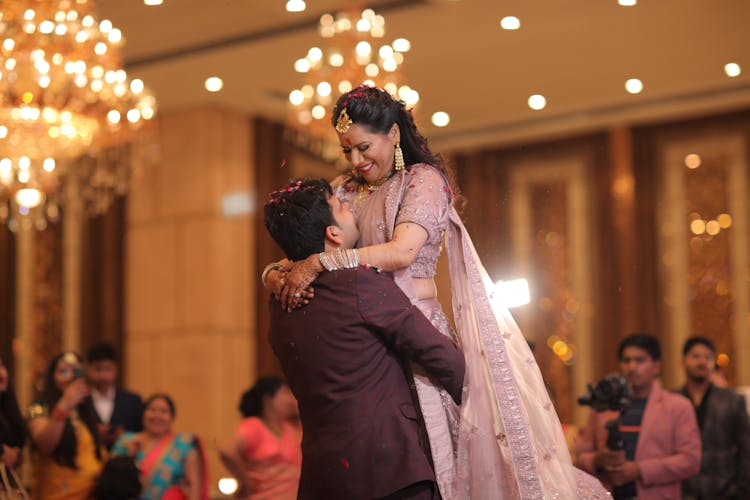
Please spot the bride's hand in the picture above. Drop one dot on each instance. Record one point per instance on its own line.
(296, 290)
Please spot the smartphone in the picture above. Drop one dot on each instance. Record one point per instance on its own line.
(78, 370)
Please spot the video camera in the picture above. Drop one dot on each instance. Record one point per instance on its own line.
(610, 393)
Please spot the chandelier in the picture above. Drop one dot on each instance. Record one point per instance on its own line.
(66, 105)
(353, 53)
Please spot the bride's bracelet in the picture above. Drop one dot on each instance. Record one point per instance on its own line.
(270, 267)
(339, 259)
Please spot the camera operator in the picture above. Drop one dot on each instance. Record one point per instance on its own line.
(660, 434)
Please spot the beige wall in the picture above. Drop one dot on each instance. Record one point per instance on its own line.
(190, 274)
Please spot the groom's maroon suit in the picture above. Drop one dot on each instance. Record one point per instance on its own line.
(342, 355)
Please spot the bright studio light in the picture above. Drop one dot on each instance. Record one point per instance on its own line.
(513, 293)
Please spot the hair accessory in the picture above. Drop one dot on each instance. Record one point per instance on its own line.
(344, 122)
(399, 158)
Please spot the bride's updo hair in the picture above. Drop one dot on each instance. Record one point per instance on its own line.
(378, 110)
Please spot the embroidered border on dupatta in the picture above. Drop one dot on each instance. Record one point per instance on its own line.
(498, 364)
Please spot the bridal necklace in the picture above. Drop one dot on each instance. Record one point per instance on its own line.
(376, 185)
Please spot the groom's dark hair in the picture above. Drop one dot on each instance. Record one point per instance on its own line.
(297, 215)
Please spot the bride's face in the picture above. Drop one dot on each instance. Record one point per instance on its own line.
(370, 153)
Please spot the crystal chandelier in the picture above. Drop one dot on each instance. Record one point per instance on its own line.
(353, 53)
(65, 105)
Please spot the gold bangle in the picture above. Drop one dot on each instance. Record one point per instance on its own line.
(273, 266)
(270, 267)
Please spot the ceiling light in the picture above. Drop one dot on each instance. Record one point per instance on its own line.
(153, 2)
(352, 53)
(732, 69)
(296, 97)
(634, 86)
(537, 102)
(401, 45)
(58, 104)
(29, 197)
(441, 119)
(510, 23)
(295, 6)
(214, 84)
(627, 3)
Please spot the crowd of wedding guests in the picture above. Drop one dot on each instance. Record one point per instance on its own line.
(90, 438)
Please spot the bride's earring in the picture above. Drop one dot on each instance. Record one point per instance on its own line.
(399, 158)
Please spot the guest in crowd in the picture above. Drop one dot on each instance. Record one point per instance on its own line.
(63, 429)
(12, 425)
(172, 464)
(118, 410)
(662, 442)
(725, 430)
(265, 454)
(120, 480)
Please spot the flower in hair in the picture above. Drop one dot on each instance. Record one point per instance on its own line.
(278, 195)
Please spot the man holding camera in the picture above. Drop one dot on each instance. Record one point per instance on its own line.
(660, 435)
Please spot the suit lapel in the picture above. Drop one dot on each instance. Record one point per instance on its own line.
(650, 421)
(116, 404)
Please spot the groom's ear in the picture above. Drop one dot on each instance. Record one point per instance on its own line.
(334, 235)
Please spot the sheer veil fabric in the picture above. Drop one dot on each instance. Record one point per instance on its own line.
(505, 441)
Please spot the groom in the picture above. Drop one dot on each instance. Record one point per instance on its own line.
(343, 355)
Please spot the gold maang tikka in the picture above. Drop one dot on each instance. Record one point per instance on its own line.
(343, 122)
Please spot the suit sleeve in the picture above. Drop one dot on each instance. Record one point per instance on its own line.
(686, 461)
(742, 432)
(384, 306)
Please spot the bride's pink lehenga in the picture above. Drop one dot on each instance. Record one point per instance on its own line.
(505, 441)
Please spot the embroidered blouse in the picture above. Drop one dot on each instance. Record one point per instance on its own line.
(426, 201)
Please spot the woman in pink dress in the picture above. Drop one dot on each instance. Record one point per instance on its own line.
(505, 441)
(265, 454)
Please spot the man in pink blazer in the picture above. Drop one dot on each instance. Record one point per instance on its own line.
(662, 441)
